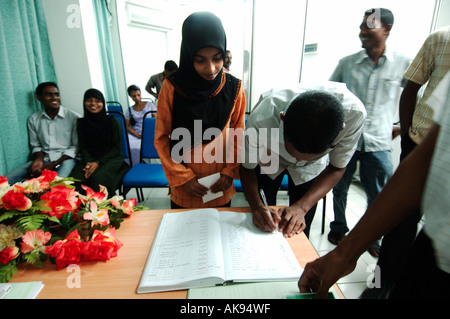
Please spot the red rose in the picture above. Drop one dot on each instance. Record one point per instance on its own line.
(103, 246)
(60, 200)
(3, 181)
(15, 199)
(8, 254)
(98, 250)
(68, 251)
(47, 176)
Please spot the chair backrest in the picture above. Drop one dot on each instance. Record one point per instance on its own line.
(113, 106)
(153, 100)
(148, 149)
(125, 143)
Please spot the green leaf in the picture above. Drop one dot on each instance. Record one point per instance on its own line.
(53, 218)
(139, 208)
(7, 215)
(7, 271)
(66, 220)
(34, 259)
(31, 222)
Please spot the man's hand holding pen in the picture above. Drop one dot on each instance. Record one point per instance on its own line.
(288, 220)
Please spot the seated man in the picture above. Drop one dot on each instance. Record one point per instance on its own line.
(53, 137)
(295, 131)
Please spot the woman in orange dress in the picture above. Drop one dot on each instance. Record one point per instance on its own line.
(200, 117)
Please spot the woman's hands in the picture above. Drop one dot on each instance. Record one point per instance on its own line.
(90, 168)
(195, 189)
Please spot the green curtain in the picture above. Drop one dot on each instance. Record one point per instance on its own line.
(102, 18)
(25, 61)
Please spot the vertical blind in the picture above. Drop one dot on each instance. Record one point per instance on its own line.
(102, 18)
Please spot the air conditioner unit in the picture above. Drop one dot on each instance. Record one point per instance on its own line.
(144, 17)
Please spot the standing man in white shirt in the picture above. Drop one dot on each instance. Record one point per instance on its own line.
(375, 76)
(52, 136)
(308, 132)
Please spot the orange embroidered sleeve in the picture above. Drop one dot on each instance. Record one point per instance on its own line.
(177, 174)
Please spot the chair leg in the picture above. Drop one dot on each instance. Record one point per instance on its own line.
(324, 203)
(124, 191)
(138, 195)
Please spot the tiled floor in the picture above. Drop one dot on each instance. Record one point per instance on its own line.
(351, 285)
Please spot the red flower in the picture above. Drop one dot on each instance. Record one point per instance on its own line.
(103, 246)
(47, 176)
(97, 196)
(67, 251)
(3, 181)
(8, 254)
(98, 249)
(60, 200)
(15, 199)
(34, 240)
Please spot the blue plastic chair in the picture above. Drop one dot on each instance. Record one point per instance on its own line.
(237, 182)
(125, 142)
(113, 106)
(285, 183)
(146, 174)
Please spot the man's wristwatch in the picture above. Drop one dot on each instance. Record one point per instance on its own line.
(57, 165)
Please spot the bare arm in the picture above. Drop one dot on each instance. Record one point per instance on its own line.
(408, 101)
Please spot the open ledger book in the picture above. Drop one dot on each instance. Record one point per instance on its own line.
(205, 247)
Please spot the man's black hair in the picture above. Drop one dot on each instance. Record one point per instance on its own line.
(386, 15)
(43, 85)
(312, 121)
(170, 66)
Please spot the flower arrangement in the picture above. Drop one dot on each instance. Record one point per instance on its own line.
(46, 218)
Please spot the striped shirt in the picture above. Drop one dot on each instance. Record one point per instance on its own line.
(379, 88)
(430, 65)
(436, 202)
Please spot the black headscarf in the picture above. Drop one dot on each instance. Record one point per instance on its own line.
(95, 129)
(196, 98)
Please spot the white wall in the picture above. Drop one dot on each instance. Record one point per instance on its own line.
(67, 42)
(277, 44)
(444, 14)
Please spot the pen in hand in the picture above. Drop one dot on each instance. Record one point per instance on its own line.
(263, 196)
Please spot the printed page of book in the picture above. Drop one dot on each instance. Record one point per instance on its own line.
(252, 255)
(186, 252)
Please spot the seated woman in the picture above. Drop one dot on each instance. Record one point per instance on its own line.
(134, 119)
(100, 145)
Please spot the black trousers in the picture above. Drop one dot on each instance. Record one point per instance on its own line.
(271, 188)
(421, 277)
(397, 244)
